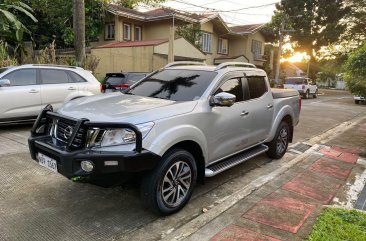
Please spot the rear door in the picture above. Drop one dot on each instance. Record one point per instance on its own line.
(260, 107)
(57, 87)
(22, 98)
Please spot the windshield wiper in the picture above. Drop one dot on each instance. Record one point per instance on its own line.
(128, 93)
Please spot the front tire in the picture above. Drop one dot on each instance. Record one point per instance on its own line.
(357, 102)
(278, 146)
(306, 95)
(168, 188)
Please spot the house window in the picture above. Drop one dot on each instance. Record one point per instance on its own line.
(126, 31)
(206, 42)
(109, 31)
(138, 33)
(223, 46)
(257, 49)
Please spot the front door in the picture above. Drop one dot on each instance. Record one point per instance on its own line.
(230, 125)
(22, 98)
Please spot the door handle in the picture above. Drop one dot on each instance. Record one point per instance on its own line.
(33, 91)
(269, 106)
(244, 113)
(71, 88)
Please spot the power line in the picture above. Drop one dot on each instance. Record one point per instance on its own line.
(222, 11)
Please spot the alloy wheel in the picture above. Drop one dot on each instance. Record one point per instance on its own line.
(282, 140)
(176, 184)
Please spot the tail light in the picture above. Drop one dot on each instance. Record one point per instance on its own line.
(123, 86)
(300, 103)
(101, 88)
(303, 87)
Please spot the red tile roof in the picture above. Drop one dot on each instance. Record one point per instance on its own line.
(133, 44)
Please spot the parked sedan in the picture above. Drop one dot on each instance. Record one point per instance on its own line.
(26, 89)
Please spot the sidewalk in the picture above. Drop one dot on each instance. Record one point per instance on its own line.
(287, 207)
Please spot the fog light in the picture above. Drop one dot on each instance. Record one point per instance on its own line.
(87, 166)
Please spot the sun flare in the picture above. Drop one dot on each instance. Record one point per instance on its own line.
(297, 57)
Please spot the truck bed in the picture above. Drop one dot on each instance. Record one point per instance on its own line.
(283, 93)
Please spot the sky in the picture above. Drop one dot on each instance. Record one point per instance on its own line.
(230, 10)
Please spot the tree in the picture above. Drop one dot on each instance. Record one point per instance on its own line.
(355, 71)
(319, 24)
(79, 30)
(12, 28)
(192, 33)
(356, 21)
(133, 3)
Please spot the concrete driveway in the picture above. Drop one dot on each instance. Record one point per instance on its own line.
(40, 205)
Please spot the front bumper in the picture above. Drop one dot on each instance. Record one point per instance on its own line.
(68, 163)
(69, 159)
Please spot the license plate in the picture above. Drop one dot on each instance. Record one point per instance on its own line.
(47, 162)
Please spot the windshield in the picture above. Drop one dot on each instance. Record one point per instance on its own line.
(294, 81)
(115, 80)
(173, 84)
(3, 70)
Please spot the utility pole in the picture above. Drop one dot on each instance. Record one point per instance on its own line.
(79, 30)
(281, 33)
(278, 64)
(171, 42)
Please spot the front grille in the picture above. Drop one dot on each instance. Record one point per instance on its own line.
(64, 129)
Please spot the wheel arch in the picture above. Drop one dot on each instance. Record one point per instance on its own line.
(195, 149)
(285, 114)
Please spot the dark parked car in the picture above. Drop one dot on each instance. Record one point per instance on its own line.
(120, 81)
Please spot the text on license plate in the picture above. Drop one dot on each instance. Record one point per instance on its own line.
(47, 162)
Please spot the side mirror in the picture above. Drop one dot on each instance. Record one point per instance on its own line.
(4, 83)
(223, 99)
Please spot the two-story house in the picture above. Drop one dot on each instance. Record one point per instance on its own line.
(139, 41)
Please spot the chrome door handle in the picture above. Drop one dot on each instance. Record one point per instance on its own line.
(270, 106)
(71, 88)
(33, 91)
(244, 113)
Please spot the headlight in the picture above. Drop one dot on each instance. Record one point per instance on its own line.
(121, 136)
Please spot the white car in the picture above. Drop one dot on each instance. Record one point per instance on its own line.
(303, 85)
(26, 89)
(358, 99)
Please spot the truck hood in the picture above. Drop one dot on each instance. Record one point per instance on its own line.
(118, 107)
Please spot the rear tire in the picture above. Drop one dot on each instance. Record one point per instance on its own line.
(278, 146)
(357, 102)
(306, 95)
(168, 188)
(315, 95)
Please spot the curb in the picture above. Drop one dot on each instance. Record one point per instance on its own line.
(224, 204)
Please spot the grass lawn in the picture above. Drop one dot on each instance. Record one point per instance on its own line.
(339, 224)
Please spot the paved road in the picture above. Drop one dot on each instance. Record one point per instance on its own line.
(40, 205)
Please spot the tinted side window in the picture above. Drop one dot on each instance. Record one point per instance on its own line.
(257, 86)
(77, 78)
(232, 86)
(54, 76)
(22, 77)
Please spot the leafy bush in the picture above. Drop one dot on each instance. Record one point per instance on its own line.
(5, 58)
(355, 71)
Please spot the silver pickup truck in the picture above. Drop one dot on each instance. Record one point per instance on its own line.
(175, 127)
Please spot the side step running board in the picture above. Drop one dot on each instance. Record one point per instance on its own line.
(221, 166)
